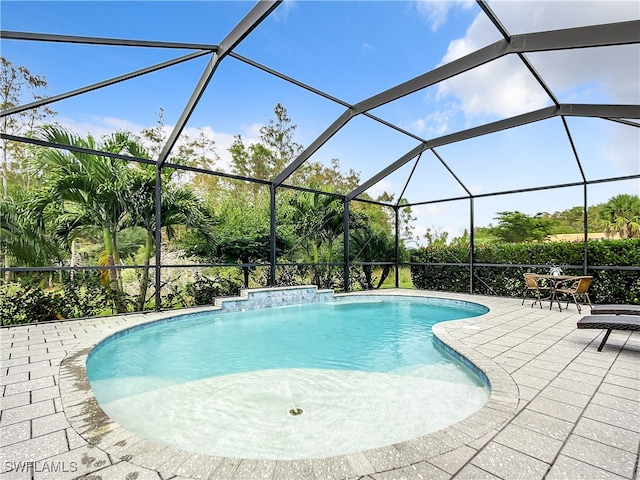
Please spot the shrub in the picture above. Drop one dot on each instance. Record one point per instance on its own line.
(204, 290)
(608, 286)
(80, 296)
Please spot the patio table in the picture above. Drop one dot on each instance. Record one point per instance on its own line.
(554, 281)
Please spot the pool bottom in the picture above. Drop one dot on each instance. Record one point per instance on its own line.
(290, 414)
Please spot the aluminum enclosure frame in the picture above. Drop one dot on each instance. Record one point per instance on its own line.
(619, 33)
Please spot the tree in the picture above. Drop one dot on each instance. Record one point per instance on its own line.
(199, 152)
(22, 234)
(436, 237)
(621, 216)
(315, 173)
(82, 192)
(243, 232)
(267, 158)
(371, 242)
(277, 138)
(317, 220)
(516, 227)
(17, 85)
(180, 206)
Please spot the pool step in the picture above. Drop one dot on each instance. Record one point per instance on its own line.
(254, 298)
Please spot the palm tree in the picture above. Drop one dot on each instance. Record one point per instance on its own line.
(371, 243)
(84, 191)
(318, 222)
(180, 206)
(22, 234)
(621, 216)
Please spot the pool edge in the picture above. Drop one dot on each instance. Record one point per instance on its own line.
(91, 423)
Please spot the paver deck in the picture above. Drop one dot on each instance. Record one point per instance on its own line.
(558, 409)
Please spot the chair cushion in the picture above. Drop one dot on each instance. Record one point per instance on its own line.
(613, 322)
(615, 310)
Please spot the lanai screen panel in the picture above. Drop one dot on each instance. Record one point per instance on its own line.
(363, 145)
(487, 209)
(606, 149)
(534, 155)
(425, 178)
(600, 193)
(241, 100)
(500, 89)
(119, 106)
(602, 75)
(497, 90)
(353, 50)
(529, 16)
(451, 218)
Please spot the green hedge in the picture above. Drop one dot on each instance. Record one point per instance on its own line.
(609, 286)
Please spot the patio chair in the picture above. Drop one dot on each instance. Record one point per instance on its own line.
(532, 285)
(579, 287)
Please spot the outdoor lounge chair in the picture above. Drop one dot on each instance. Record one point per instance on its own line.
(610, 322)
(615, 309)
(579, 286)
(532, 285)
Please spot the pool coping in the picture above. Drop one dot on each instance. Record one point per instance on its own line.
(98, 429)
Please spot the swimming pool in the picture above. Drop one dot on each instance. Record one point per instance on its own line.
(304, 381)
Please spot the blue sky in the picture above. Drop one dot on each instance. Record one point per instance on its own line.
(353, 50)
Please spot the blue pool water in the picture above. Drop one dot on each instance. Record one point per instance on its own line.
(353, 357)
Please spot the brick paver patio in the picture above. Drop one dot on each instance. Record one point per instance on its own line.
(558, 409)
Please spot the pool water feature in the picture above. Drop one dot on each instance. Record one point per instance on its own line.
(305, 381)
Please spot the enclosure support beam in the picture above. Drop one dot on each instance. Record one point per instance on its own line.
(347, 261)
(585, 219)
(272, 236)
(315, 145)
(396, 210)
(95, 86)
(472, 246)
(158, 237)
(390, 169)
(48, 37)
(209, 70)
(239, 33)
(579, 110)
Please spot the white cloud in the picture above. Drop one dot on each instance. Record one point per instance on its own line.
(379, 188)
(435, 12)
(475, 189)
(528, 16)
(282, 11)
(504, 87)
(251, 132)
(101, 126)
(97, 126)
(501, 89)
(428, 209)
(436, 123)
(624, 150)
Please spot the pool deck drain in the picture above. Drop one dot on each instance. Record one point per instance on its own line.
(558, 409)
